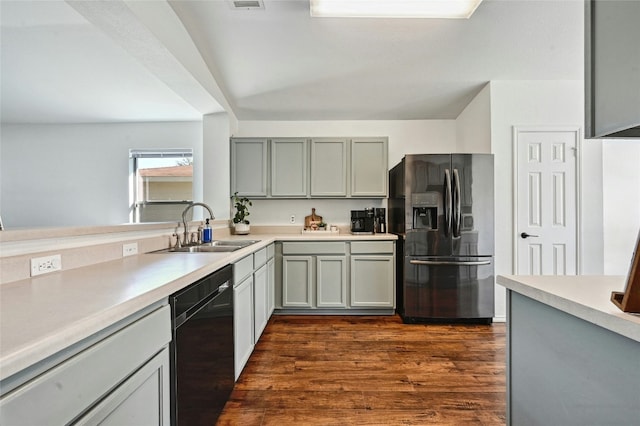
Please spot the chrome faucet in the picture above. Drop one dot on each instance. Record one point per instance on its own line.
(185, 239)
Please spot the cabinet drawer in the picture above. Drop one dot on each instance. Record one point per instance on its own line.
(259, 258)
(62, 393)
(365, 247)
(333, 247)
(271, 249)
(242, 269)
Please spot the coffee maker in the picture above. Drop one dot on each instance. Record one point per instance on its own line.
(362, 221)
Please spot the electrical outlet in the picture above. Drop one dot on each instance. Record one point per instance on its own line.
(129, 249)
(292, 218)
(46, 264)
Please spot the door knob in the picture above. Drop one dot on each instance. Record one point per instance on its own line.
(525, 235)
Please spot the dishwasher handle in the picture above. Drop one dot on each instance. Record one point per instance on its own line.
(451, 262)
(180, 319)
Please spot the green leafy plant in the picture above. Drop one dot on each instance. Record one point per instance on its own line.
(242, 209)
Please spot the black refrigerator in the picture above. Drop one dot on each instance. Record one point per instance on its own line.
(441, 207)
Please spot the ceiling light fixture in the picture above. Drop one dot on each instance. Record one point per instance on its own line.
(460, 9)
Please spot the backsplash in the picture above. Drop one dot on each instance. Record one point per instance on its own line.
(333, 211)
(84, 246)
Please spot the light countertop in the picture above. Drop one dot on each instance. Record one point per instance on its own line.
(583, 296)
(48, 313)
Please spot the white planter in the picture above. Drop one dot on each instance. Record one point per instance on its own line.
(241, 228)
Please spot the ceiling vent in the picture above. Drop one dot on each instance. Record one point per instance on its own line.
(246, 4)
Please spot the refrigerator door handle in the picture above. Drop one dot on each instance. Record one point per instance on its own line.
(447, 202)
(450, 262)
(456, 203)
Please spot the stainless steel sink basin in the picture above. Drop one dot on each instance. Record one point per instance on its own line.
(233, 243)
(212, 247)
(204, 249)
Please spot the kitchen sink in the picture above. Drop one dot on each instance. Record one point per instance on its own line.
(212, 247)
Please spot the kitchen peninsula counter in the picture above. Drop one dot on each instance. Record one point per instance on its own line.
(43, 315)
(573, 357)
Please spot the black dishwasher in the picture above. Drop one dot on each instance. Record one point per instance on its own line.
(202, 368)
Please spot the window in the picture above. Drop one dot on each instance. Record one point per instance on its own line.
(161, 184)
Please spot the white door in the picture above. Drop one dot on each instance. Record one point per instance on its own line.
(546, 201)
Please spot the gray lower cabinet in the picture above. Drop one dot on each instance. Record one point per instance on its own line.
(260, 301)
(242, 324)
(331, 281)
(252, 302)
(297, 281)
(271, 279)
(120, 377)
(372, 274)
(138, 401)
(242, 312)
(314, 274)
(370, 278)
(338, 275)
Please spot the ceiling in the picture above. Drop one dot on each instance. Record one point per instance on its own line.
(115, 61)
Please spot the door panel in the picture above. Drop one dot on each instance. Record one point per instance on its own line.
(546, 205)
(476, 200)
(426, 204)
(448, 291)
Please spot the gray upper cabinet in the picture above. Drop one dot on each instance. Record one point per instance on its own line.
(369, 166)
(249, 167)
(289, 167)
(309, 167)
(329, 167)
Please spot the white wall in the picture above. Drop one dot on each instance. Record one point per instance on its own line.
(216, 159)
(621, 203)
(473, 125)
(405, 137)
(77, 174)
(542, 103)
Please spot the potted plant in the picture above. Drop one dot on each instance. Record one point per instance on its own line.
(240, 222)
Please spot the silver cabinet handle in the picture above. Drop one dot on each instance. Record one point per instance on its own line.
(450, 262)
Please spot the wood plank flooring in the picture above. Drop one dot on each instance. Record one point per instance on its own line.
(371, 370)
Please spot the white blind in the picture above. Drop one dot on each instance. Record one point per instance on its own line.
(161, 153)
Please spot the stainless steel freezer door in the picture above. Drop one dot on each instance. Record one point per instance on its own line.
(448, 288)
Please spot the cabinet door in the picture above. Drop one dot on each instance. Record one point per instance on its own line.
(143, 399)
(372, 281)
(328, 167)
(289, 161)
(296, 281)
(369, 166)
(242, 323)
(70, 388)
(260, 302)
(271, 287)
(249, 167)
(331, 281)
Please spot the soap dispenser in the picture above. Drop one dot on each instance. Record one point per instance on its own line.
(207, 233)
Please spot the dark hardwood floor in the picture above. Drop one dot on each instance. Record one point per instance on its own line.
(371, 370)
